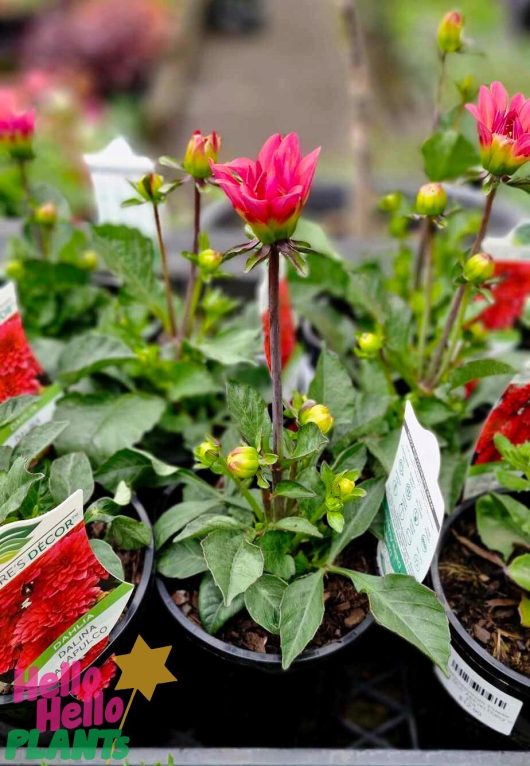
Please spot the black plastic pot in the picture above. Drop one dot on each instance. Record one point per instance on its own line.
(490, 670)
(267, 662)
(121, 633)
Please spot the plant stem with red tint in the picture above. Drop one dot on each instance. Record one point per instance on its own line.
(192, 296)
(167, 279)
(276, 364)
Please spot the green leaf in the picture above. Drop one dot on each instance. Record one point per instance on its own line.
(301, 613)
(68, 473)
(314, 234)
(480, 368)
(358, 516)
(335, 521)
(448, 154)
(384, 448)
(452, 476)
(190, 379)
(519, 571)
(263, 600)
(298, 525)
(135, 467)
(518, 512)
(37, 440)
(248, 411)
(130, 255)
(107, 558)
(409, 609)
(90, 353)
(11, 408)
(212, 609)
(100, 424)
(15, 486)
(231, 346)
(332, 386)
(496, 528)
(178, 516)
(524, 612)
(275, 546)
(288, 488)
(129, 534)
(234, 562)
(182, 560)
(353, 458)
(310, 440)
(512, 480)
(205, 524)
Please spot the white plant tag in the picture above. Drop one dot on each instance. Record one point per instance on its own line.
(479, 698)
(414, 506)
(111, 170)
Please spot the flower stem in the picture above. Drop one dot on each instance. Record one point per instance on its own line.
(276, 365)
(435, 368)
(427, 294)
(439, 91)
(194, 286)
(24, 182)
(448, 358)
(167, 279)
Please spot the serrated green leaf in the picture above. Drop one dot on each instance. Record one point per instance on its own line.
(205, 524)
(298, 525)
(480, 368)
(409, 609)
(15, 486)
(182, 560)
(263, 600)
(90, 353)
(234, 562)
(293, 489)
(69, 473)
(332, 386)
(310, 440)
(448, 154)
(248, 411)
(178, 516)
(129, 534)
(107, 558)
(496, 528)
(212, 609)
(301, 613)
(137, 467)
(37, 440)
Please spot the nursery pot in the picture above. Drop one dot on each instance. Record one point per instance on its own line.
(121, 634)
(490, 692)
(270, 663)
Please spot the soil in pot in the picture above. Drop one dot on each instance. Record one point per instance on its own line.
(483, 599)
(345, 608)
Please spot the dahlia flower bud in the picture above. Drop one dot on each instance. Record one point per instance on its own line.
(431, 199)
(369, 343)
(149, 186)
(318, 414)
(201, 150)
(14, 269)
(210, 260)
(479, 268)
(345, 488)
(390, 202)
(243, 462)
(333, 503)
(88, 259)
(207, 451)
(450, 32)
(46, 214)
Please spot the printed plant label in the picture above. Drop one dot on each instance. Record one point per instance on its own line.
(57, 602)
(19, 374)
(413, 504)
(478, 697)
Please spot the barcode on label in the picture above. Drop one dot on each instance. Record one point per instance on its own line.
(500, 703)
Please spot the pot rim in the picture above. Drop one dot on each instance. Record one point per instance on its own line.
(246, 656)
(499, 667)
(134, 604)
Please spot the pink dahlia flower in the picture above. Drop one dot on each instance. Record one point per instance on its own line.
(503, 127)
(270, 193)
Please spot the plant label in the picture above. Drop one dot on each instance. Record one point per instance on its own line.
(19, 373)
(110, 171)
(413, 504)
(479, 698)
(57, 602)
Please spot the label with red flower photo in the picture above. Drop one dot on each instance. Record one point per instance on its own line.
(58, 604)
(510, 417)
(20, 375)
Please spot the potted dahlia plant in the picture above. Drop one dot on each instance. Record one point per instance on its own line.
(278, 537)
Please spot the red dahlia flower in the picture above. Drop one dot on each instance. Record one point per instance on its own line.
(19, 369)
(503, 127)
(270, 193)
(510, 417)
(509, 293)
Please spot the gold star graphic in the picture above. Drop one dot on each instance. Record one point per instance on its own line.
(143, 668)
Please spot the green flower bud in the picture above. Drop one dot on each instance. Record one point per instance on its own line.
(88, 259)
(318, 414)
(450, 32)
(243, 462)
(479, 268)
(390, 202)
(207, 451)
(345, 488)
(149, 186)
(431, 199)
(370, 343)
(46, 214)
(210, 260)
(333, 503)
(14, 269)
